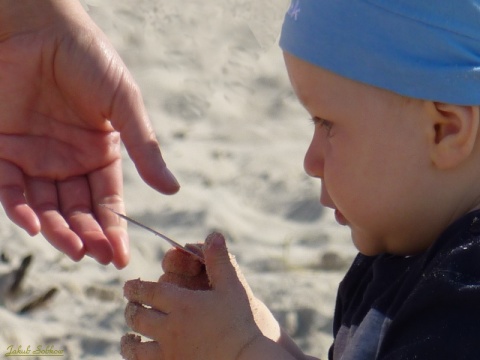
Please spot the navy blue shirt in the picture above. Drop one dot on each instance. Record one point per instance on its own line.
(418, 307)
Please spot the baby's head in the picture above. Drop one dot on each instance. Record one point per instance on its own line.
(394, 91)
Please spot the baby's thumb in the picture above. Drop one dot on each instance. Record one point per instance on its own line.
(220, 266)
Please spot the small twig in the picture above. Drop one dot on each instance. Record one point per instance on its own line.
(164, 237)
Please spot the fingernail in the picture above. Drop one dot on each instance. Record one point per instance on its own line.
(130, 312)
(122, 256)
(215, 239)
(128, 344)
(171, 178)
(131, 288)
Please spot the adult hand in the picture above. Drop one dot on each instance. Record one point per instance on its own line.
(66, 98)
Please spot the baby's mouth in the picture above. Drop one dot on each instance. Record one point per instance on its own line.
(327, 201)
(341, 219)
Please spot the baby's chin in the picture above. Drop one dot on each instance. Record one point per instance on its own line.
(373, 246)
(367, 245)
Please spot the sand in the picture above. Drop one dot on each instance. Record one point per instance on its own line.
(231, 130)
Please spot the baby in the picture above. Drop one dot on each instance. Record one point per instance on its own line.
(393, 88)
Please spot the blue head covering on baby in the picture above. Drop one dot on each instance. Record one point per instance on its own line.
(426, 49)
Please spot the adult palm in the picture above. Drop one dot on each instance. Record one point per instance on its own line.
(65, 100)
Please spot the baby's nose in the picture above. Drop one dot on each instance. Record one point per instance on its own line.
(313, 162)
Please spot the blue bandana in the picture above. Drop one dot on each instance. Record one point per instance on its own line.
(425, 49)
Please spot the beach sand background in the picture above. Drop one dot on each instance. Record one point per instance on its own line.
(233, 133)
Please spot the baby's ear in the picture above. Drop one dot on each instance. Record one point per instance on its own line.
(454, 132)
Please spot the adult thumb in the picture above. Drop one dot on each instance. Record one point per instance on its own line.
(221, 267)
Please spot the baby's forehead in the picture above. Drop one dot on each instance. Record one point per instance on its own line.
(422, 49)
(326, 94)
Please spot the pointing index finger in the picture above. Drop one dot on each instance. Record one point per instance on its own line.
(128, 116)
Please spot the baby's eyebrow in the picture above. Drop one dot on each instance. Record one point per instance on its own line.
(303, 100)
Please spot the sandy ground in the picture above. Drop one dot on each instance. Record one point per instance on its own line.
(214, 83)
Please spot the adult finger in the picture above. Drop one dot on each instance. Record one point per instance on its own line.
(76, 207)
(145, 321)
(106, 186)
(129, 117)
(41, 194)
(13, 200)
(132, 348)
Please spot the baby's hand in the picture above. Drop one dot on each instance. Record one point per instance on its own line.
(184, 270)
(216, 323)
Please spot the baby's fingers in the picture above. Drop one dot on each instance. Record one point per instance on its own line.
(199, 282)
(146, 321)
(181, 263)
(133, 349)
(160, 296)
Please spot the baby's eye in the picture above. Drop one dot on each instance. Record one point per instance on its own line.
(324, 124)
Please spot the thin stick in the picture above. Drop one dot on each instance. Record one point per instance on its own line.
(164, 237)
